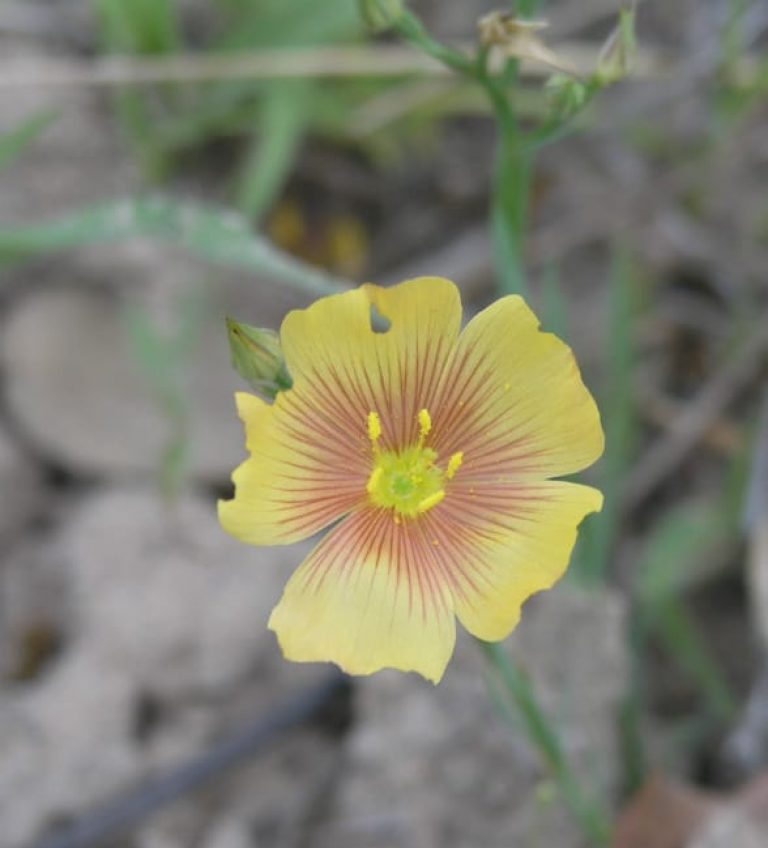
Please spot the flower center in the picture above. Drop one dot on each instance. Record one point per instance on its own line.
(408, 481)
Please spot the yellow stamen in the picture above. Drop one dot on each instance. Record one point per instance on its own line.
(408, 480)
(374, 428)
(425, 425)
(374, 479)
(454, 464)
(433, 500)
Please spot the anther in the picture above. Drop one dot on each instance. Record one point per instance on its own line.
(425, 425)
(454, 464)
(433, 500)
(374, 428)
(374, 479)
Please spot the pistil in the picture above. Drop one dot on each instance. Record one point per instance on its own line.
(410, 482)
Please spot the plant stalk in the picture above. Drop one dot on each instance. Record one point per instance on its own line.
(540, 730)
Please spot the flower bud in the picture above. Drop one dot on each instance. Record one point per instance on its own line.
(617, 58)
(381, 15)
(567, 95)
(258, 358)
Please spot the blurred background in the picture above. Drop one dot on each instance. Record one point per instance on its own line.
(162, 167)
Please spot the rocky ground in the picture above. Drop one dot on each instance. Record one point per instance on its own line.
(132, 630)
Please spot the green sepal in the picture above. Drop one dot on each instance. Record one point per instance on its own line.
(258, 358)
(381, 15)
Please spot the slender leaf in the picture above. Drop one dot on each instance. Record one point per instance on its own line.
(217, 235)
(295, 23)
(162, 356)
(554, 305)
(15, 142)
(545, 737)
(283, 120)
(672, 559)
(617, 405)
(141, 26)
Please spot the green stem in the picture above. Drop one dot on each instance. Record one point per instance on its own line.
(511, 191)
(527, 8)
(509, 208)
(542, 733)
(412, 29)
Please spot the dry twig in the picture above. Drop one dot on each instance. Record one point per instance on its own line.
(365, 61)
(665, 456)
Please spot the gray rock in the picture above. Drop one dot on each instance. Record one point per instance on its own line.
(437, 767)
(573, 644)
(20, 488)
(745, 751)
(77, 387)
(270, 803)
(74, 387)
(166, 606)
(167, 596)
(230, 833)
(35, 613)
(64, 745)
(89, 398)
(731, 828)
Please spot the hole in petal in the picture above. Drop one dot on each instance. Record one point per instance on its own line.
(379, 323)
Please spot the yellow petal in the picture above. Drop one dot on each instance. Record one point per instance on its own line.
(299, 478)
(370, 596)
(505, 544)
(516, 404)
(333, 352)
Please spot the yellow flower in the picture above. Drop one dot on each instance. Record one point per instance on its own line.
(433, 450)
